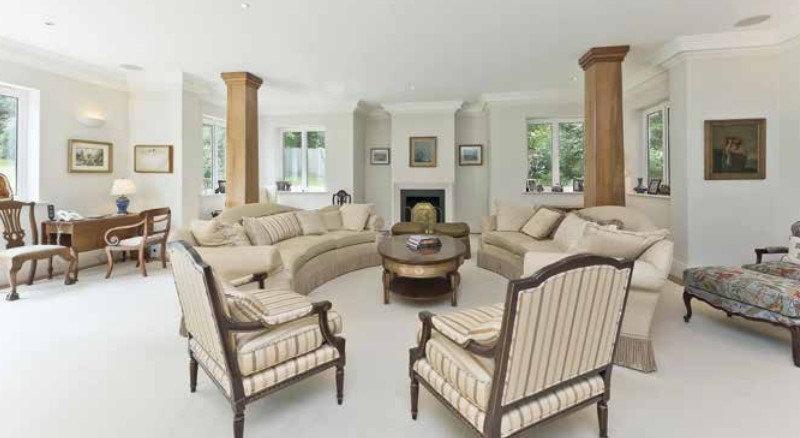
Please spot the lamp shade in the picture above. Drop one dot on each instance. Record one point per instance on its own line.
(123, 187)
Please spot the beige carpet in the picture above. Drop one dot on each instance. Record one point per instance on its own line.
(102, 358)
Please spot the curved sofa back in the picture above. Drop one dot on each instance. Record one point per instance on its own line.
(632, 220)
(235, 214)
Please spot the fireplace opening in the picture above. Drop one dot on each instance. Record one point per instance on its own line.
(410, 198)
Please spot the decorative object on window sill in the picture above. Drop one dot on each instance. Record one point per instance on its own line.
(341, 197)
(652, 188)
(470, 155)
(122, 188)
(380, 156)
(577, 185)
(283, 186)
(640, 188)
(152, 158)
(557, 189)
(530, 185)
(539, 188)
(6, 194)
(87, 156)
(222, 186)
(735, 149)
(664, 190)
(422, 152)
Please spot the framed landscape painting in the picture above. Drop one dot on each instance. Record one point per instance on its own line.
(152, 158)
(87, 156)
(736, 149)
(380, 156)
(470, 155)
(422, 152)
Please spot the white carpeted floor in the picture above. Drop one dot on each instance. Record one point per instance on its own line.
(103, 358)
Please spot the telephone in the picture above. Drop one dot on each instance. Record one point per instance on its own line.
(66, 215)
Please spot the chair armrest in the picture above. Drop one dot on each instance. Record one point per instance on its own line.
(114, 240)
(480, 338)
(259, 277)
(770, 250)
(489, 223)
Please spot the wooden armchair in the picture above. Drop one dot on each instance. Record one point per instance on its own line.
(153, 229)
(252, 344)
(17, 253)
(546, 352)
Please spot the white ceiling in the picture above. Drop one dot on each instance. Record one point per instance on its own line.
(324, 52)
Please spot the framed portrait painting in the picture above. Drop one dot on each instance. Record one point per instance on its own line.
(88, 156)
(152, 158)
(736, 149)
(380, 156)
(422, 152)
(470, 155)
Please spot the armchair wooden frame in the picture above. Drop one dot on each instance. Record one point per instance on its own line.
(501, 350)
(149, 236)
(229, 327)
(14, 234)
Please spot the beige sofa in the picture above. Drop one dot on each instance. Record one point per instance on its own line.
(513, 255)
(300, 263)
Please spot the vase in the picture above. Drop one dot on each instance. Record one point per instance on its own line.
(640, 188)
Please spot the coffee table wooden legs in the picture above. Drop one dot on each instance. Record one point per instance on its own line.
(455, 283)
(387, 282)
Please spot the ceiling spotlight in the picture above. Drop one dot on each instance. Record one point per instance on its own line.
(573, 78)
(752, 21)
(412, 87)
(245, 5)
(49, 23)
(131, 67)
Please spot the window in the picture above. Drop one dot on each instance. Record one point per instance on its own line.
(656, 133)
(555, 153)
(214, 151)
(304, 159)
(9, 135)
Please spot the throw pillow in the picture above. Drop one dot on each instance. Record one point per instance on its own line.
(511, 216)
(486, 333)
(570, 231)
(354, 216)
(542, 224)
(604, 222)
(311, 222)
(216, 233)
(794, 250)
(332, 219)
(617, 243)
(268, 230)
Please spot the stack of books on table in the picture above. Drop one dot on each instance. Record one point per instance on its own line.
(423, 241)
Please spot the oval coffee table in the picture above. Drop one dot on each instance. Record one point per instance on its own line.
(423, 274)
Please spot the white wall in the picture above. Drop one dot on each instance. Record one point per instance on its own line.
(472, 182)
(789, 106)
(359, 156)
(378, 178)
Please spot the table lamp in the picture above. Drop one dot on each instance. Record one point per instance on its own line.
(122, 188)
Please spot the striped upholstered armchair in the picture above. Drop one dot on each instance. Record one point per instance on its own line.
(251, 344)
(549, 348)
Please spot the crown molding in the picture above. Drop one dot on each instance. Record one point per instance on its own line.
(61, 65)
(447, 106)
(723, 44)
(472, 109)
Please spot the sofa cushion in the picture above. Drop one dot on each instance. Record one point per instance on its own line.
(236, 214)
(646, 276)
(297, 251)
(344, 238)
(217, 233)
(519, 243)
(783, 269)
(272, 347)
(470, 324)
(608, 242)
(570, 231)
(794, 250)
(542, 223)
(331, 217)
(512, 216)
(270, 307)
(311, 222)
(470, 374)
(354, 216)
(233, 263)
(268, 230)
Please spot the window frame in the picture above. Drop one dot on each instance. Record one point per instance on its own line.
(22, 188)
(665, 139)
(555, 153)
(216, 123)
(303, 130)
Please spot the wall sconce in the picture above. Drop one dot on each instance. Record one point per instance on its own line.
(91, 121)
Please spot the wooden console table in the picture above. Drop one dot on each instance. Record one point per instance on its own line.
(85, 234)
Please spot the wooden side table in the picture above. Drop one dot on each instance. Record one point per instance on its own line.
(85, 234)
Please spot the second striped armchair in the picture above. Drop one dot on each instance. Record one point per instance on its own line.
(545, 352)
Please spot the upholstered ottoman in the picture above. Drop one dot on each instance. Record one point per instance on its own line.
(456, 230)
(764, 292)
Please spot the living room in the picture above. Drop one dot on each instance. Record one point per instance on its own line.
(448, 187)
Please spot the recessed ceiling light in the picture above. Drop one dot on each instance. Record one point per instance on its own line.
(131, 67)
(245, 5)
(412, 87)
(573, 77)
(49, 23)
(752, 21)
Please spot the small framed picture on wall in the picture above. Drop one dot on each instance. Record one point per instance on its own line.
(470, 155)
(152, 158)
(88, 156)
(380, 156)
(422, 152)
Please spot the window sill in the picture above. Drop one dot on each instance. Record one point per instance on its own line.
(211, 195)
(548, 192)
(307, 192)
(647, 195)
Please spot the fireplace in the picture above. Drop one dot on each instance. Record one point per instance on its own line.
(410, 198)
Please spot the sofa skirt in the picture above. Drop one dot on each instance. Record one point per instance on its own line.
(636, 354)
(500, 261)
(332, 264)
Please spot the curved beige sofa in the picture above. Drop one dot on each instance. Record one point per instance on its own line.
(514, 254)
(300, 263)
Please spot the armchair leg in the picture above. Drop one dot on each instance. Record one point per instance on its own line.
(12, 280)
(339, 384)
(687, 301)
(143, 261)
(602, 418)
(71, 274)
(110, 267)
(192, 373)
(32, 275)
(164, 254)
(238, 422)
(414, 396)
(796, 345)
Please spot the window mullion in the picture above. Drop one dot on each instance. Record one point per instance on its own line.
(304, 159)
(556, 155)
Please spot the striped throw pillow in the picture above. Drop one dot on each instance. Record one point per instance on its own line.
(268, 230)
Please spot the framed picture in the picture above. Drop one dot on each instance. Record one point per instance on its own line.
(652, 188)
(422, 152)
(380, 156)
(577, 185)
(470, 155)
(152, 158)
(87, 156)
(736, 149)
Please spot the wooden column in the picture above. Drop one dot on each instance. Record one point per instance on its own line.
(241, 160)
(604, 156)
